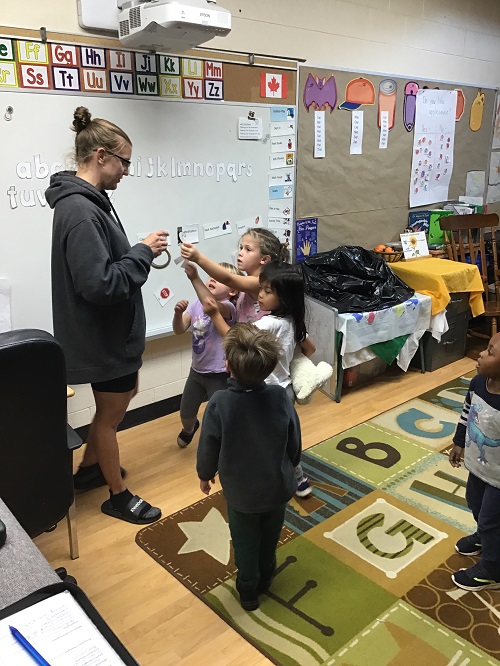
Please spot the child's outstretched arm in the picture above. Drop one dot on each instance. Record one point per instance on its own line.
(247, 283)
(204, 293)
(181, 320)
(210, 307)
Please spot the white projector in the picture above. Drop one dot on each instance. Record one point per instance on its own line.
(171, 25)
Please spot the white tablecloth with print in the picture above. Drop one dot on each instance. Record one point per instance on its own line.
(362, 329)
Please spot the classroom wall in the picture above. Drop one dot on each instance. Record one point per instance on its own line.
(452, 40)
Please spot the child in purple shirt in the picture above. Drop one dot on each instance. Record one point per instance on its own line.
(208, 368)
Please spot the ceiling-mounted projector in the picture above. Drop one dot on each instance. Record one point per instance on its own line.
(171, 25)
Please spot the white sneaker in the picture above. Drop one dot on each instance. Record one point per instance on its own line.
(304, 488)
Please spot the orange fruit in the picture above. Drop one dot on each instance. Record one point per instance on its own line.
(389, 249)
(379, 248)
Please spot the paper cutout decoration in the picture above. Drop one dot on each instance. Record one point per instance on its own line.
(410, 105)
(357, 92)
(387, 100)
(476, 112)
(320, 93)
(460, 104)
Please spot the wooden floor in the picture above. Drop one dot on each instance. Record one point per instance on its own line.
(154, 615)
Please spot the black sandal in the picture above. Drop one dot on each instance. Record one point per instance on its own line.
(137, 511)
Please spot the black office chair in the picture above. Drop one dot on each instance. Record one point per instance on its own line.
(36, 443)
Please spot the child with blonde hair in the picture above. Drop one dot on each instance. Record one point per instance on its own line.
(208, 370)
(257, 247)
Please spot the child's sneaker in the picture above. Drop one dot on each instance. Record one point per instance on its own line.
(184, 438)
(249, 599)
(304, 488)
(474, 579)
(469, 545)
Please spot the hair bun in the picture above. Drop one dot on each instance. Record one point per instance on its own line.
(81, 118)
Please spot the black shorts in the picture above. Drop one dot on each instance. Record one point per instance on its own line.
(118, 385)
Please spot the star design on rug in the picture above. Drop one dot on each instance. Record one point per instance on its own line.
(210, 535)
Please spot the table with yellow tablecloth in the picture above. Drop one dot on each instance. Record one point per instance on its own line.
(438, 278)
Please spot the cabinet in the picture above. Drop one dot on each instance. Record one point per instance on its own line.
(452, 345)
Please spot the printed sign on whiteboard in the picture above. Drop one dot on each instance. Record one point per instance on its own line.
(280, 144)
(280, 192)
(248, 223)
(280, 208)
(188, 233)
(284, 177)
(281, 160)
(216, 229)
(163, 294)
(283, 128)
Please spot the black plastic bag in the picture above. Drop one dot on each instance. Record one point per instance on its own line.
(353, 279)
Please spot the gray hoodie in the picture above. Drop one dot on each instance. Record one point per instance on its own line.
(97, 306)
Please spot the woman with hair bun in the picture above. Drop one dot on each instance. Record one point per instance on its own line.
(97, 305)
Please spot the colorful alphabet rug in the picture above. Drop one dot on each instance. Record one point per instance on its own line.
(364, 564)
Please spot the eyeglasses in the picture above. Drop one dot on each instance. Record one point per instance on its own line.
(126, 163)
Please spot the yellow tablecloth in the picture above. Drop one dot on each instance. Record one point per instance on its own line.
(439, 277)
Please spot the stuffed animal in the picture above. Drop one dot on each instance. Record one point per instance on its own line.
(306, 376)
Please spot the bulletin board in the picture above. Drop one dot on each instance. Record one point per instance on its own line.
(189, 166)
(363, 199)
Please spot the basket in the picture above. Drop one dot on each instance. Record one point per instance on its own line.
(390, 257)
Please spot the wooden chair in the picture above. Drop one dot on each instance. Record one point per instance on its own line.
(466, 242)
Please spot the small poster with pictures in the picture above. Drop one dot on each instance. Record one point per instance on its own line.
(306, 238)
(414, 245)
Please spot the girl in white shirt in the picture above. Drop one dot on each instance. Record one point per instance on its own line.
(281, 293)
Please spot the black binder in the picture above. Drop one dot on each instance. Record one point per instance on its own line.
(81, 598)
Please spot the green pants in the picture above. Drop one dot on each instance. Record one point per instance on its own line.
(255, 537)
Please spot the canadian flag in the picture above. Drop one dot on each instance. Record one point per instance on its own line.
(273, 85)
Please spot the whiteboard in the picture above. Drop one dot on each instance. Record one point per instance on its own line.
(228, 182)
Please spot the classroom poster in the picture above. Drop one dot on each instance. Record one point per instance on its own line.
(306, 238)
(433, 143)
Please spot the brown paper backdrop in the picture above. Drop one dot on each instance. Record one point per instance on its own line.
(363, 199)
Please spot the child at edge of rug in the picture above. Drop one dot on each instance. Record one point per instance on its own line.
(251, 437)
(208, 367)
(477, 437)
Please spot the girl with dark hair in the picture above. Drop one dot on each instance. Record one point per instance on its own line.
(281, 294)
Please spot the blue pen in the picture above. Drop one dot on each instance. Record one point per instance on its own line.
(28, 647)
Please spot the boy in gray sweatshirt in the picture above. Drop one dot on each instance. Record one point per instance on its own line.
(251, 436)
